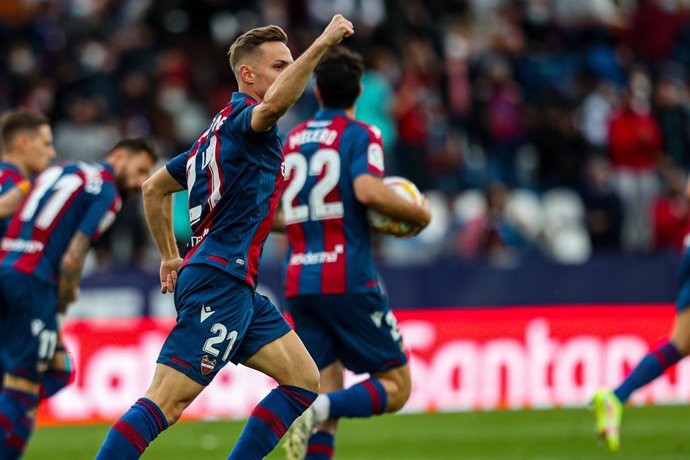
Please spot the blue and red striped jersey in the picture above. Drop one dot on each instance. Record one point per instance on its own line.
(69, 198)
(10, 175)
(234, 179)
(329, 238)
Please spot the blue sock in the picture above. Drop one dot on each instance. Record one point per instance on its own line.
(14, 405)
(362, 400)
(55, 380)
(19, 438)
(270, 420)
(652, 366)
(321, 446)
(131, 435)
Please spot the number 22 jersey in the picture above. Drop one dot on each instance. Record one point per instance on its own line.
(329, 237)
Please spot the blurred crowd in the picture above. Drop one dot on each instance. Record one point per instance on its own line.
(551, 127)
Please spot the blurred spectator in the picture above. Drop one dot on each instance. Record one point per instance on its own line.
(672, 114)
(375, 104)
(593, 115)
(502, 119)
(604, 209)
(467, 94)
(670, 212)
(85, 134)
(654, 29)
(561, 148)
(415, 99)
(635, 147)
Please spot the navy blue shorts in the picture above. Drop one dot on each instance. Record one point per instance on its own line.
(360, 330)
(28, 324)
(219, 319)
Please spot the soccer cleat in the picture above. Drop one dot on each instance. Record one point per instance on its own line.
(608, 412)
(297, 437)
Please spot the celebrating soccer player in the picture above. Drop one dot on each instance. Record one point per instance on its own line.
(41, 259)
(333, 170)
(234, 175)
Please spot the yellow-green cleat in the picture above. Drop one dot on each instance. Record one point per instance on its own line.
(297, 437)
(608, 412)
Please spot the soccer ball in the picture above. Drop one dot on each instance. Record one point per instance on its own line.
(388, 225)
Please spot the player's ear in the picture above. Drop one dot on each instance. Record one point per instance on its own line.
(21, 140)
(246, 73)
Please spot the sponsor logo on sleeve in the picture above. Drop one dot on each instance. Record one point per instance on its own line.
(375, 156)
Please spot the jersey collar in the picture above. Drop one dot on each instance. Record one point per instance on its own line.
(327, 113)
(238, 95)
(108, 167)
(12, 166)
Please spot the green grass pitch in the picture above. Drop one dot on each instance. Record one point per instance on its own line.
(649, 433)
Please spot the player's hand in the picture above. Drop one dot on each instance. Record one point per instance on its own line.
(417, 229)
(426, 209)
(338, 29)
(168, 274)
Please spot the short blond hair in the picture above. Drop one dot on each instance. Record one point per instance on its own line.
(248, 44)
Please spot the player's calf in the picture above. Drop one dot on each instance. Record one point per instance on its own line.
(288, 362)
(17, 399)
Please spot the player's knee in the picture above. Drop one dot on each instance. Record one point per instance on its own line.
(173, 413)
(398, 385)
(398, 396)
(310, 378)
(172, 410)
(682, 345)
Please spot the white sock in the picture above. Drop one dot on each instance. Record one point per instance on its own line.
(322, 408)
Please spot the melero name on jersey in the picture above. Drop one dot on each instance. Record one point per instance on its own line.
(322, 136)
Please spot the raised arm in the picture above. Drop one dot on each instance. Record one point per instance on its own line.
(373, 193)
(158, 190)
(289, 86)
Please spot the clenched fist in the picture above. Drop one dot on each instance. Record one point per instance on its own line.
(338, 29)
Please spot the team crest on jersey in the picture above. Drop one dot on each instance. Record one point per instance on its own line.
(207, 365)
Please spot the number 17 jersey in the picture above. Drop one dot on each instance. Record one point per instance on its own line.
(329, 237)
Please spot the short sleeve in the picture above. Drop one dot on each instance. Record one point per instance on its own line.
(177, 168)
(101, 213)
(367, 152)
(8, 180)
(242, 122)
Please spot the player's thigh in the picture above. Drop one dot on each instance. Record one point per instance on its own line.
(29, 329)
(214, 311)
(312, 330)
(287, 361)
(366, 332)
(272, 347)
